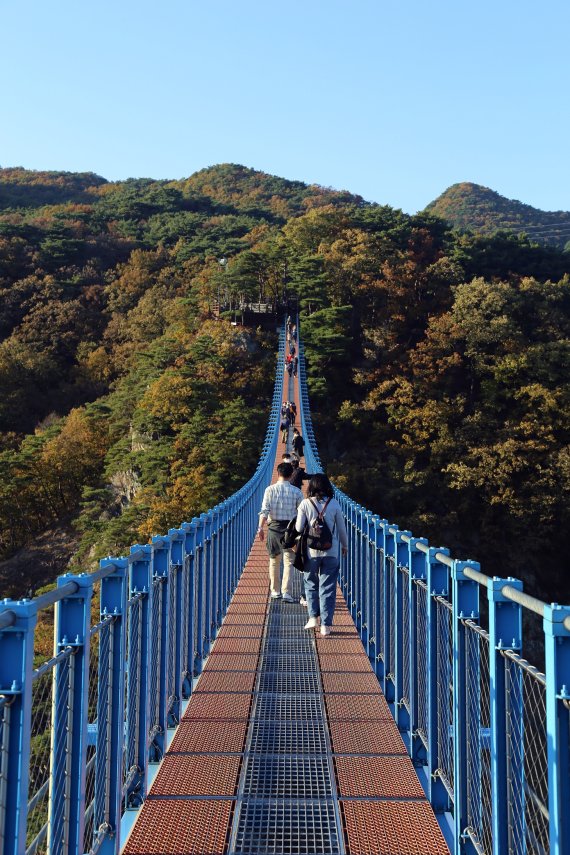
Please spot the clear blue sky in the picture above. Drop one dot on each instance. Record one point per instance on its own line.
(392, 99)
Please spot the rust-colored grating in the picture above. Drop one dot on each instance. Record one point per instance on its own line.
(210, 736)
(240, 620)
(385, 828)
(170, 827)
(374, 737)
(242, 630)
(203, 705)
(378, 777)
(340, 644)
(253, 590)
(220, 681)
(236, 645)
(341, 631)
(346, 664)
(243, 609)
(343, 619)
(246, 598)
(350, 684)
(233, 662)
(197, 775)
(357, 708)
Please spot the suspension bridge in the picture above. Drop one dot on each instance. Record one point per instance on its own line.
(182, 711)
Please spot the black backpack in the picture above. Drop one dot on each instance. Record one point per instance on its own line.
(290, 536)
(319, 535)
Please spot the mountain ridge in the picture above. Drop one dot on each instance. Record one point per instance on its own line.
(234, 188)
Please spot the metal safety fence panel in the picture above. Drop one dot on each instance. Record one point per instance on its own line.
(478, 737)
(421, 660)
(444, 670)
(404, 622)
(527, 756)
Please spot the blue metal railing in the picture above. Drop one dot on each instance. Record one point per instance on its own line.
(78, 732)
(488, 733)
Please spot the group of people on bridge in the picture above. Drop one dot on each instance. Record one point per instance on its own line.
(291, 360)
(317, 526)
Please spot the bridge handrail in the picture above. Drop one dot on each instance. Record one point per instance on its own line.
(526, 600)
(159, 610)
(488, 732)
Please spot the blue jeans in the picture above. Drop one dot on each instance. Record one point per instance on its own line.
(321, 576)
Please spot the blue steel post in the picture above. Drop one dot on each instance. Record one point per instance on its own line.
(216, 570)
(417, 563)
(389, 573)
(380, 529)
(113, 602)
(140, 581)
(189, 557)
(557, 653)
(159, 565)
(356, 565)
(16, 668)
(371, 631)
(344, 559)
(401, 578)
(505, 633)
(465, 603)
(368, 581)
(176, 565)
(199, 571)
(208, 582)
(361, 595)
(225, 591)
(231, 547)
(69, 723)
(438, 586)
(352, 551)
(358, 569)
(235, 543)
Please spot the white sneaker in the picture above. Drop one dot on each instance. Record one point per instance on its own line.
(275, 595)
(325, 630)
(311, 623)
(302, 601)
(287, 598)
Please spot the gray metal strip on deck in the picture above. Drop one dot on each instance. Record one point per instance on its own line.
(287, 799)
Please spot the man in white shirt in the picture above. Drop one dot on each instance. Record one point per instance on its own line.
(279, 505)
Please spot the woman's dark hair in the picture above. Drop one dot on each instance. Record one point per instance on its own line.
(320, 487)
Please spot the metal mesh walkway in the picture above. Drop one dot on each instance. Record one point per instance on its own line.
(287, 746)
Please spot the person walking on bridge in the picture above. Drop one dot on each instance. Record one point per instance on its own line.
(322, 566)
(299, 475)
(279, 505)
(284, 428)
(298, 443)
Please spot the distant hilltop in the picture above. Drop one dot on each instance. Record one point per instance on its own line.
(232, 188)
(480, 209)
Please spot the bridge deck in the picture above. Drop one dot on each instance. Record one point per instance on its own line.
(287, 746)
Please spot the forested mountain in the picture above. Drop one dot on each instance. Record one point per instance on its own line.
(438, 363)
(479, 209)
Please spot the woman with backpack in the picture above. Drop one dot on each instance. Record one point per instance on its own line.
(320, 518)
